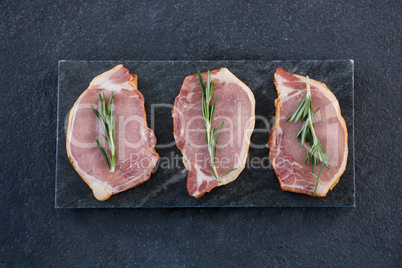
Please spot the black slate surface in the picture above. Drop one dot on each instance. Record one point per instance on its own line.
(35, 35)
(160, 82)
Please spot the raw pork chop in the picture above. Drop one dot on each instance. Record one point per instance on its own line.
(135, 142)
(236, 106)
(287, 158)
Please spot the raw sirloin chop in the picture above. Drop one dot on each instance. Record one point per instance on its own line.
(287, 158)
(236, 106)
(135, 142)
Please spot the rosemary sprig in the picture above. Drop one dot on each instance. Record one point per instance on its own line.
(105, 116)
(307, 134)
(211, 135)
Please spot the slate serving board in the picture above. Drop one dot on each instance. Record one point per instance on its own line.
(160, 83)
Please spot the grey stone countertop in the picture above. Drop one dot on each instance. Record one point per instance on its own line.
(35, 35)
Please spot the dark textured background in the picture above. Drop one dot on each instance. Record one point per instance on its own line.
(34, 36)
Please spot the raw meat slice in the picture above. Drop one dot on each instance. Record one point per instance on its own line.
(135, 142)
(236, 106)
(287, 158)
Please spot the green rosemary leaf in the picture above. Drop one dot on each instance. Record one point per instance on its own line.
(100, 104)
(204, 109)
(220, 129)
(111, 101)
(296, 115)
(103, 153)
(104, 105)
(316, 111)
(210, 169)
(299, 133)
(233, 169)
(111, 105)
(293, 116)
(202, 84)
(105, 127)
(213, 108)
(106, 138)
(96, 113)
(318, 177)
(307, 107)
(211, 87)
(303, 137)
(213, 135)
(208, 85)
(216, 147)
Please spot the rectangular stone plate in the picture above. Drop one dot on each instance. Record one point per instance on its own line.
(160, 83)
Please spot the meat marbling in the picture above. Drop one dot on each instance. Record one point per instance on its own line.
(236, 106)
(135, 142)
(287, 158)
